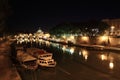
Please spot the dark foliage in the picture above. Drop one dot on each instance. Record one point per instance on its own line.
(85, 28)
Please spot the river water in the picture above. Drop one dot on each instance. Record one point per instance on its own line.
(106, 62)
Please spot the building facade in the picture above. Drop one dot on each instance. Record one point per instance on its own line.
(115, 26)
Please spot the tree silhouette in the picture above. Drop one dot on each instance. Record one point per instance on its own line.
(89, 28)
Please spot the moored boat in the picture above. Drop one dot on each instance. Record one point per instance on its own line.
(27, 61)
(44, 58)
(39, 53)
(46, 63)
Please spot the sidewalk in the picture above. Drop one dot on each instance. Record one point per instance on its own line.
(7, 69)
(101, 47)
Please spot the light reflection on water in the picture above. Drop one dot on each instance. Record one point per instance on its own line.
(111, 65)
(103, 57)
(85, 53)
(99, 60)
(104, 60)
(72, 49)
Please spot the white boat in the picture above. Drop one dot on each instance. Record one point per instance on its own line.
(44, 58)
(42, 54)
(39, 53)
(46, 63)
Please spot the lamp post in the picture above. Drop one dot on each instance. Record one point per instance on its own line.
(108, 37)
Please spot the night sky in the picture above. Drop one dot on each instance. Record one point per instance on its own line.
(31, 14)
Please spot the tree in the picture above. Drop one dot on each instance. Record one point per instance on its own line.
(93, 28)
(64, 28)
(89, 28)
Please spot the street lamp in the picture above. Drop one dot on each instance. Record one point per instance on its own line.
(108, 36)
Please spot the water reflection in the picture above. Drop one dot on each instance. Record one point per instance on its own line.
(80, 53)
(47, 43)
(84, 53)
(72, 49)
(111, 65)
(64, 48)
(96, 58)
(103, 57)
(108, 57)
(104, 61)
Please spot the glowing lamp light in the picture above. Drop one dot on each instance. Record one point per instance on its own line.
(47, 35)
(104, 38)
(85, 38)
(72, 37)
(64, 36)
(112, 27)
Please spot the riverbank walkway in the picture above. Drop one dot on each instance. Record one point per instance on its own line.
(100, 47)
(7, 70)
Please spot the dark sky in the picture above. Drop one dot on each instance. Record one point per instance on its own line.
(31, 14)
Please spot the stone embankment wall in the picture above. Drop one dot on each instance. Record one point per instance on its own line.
(98, 41)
